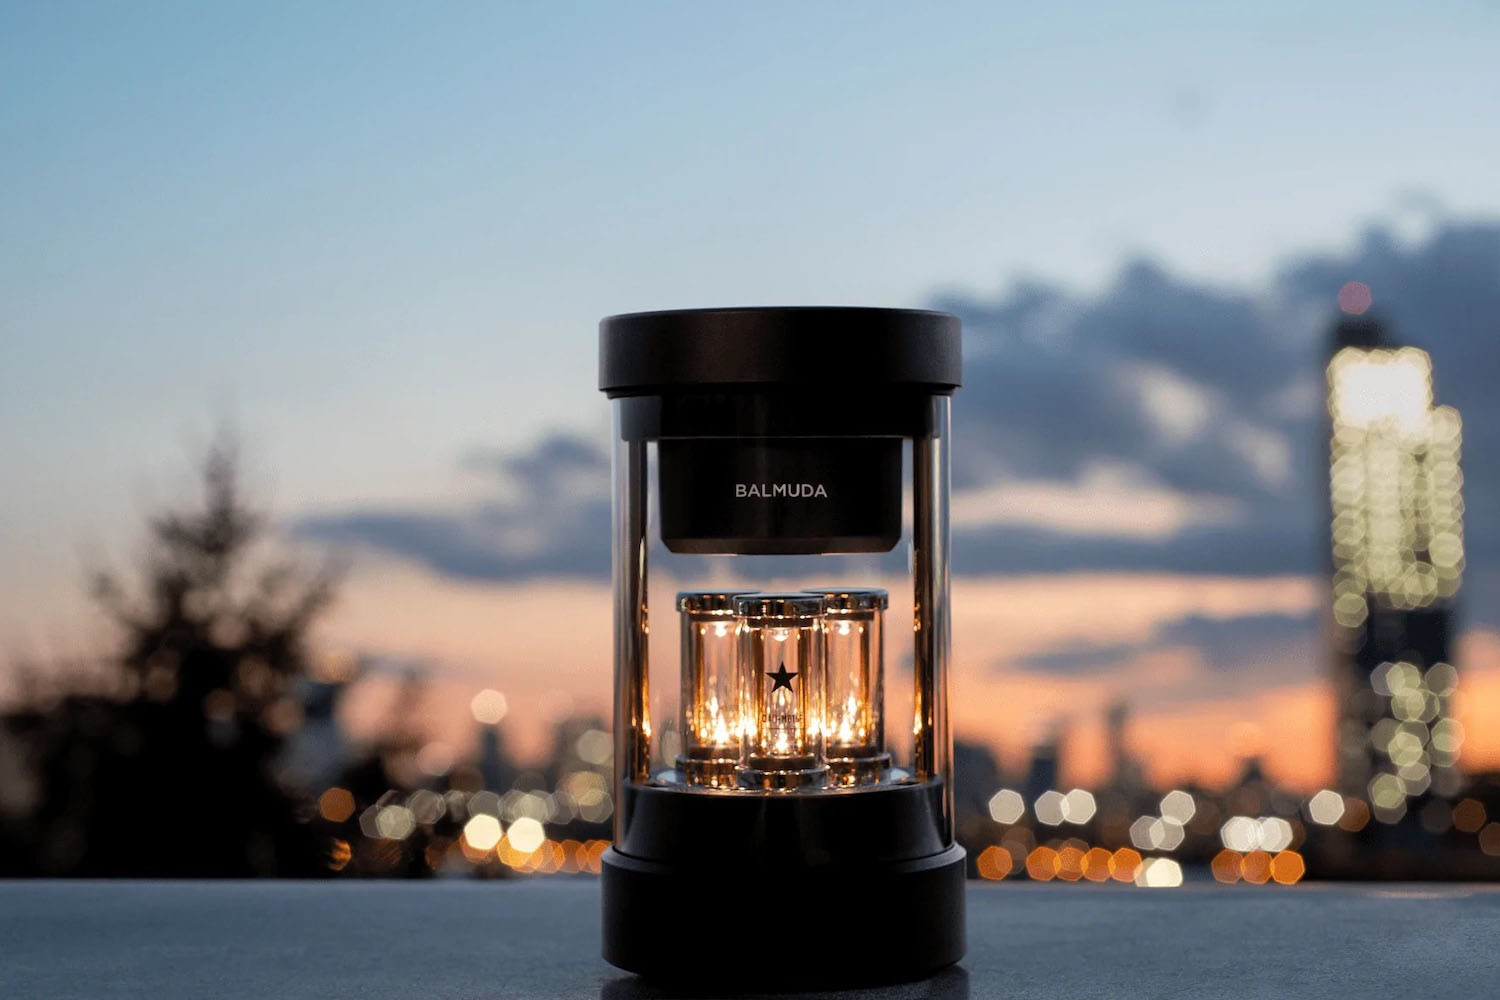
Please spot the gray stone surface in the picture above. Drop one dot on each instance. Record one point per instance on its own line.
(539, 940)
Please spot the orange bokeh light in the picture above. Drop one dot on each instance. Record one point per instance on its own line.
(1356, 815)
(1042, 864)
(1287, 868)
(1127, 864)
(1226, 866)
(1469, 816)
(994, 863)
(1070, 864)
(336, 805)
(1098, 864)
(1256, 867)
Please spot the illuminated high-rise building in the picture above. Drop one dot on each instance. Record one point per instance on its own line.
(1396, 505)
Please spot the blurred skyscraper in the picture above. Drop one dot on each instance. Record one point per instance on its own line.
(1046, 761)
(1397, 562)
(1126, 775)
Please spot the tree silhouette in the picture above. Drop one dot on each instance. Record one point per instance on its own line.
(176, 774)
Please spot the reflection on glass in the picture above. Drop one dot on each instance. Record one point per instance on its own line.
(711, 716)
(854, 666)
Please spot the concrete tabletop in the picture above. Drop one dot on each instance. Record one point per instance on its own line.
(539, 939)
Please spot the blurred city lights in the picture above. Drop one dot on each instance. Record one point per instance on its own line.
(1126, 865)
(394, 822)
(1178, 806)
(1326, 807)
(485, 803)
(1159, 873)
(1098, 864)
(1007, 806)
(1049, 807)
(1042, 864)
(1226, 866)
(1255, 867)
(1154, 833)
(489, 707)
(427, 806)
(994, 863)
(482, 832)
(1356, 815)
(1070, 863)
(435, 759)
(336, 805)
(1469, 816)
(526, 835)
(1078, 806)
(595, 747)
(1275, 833)
(1287, 868)
(1240, 833)
(1140, 833)
(1489, 839)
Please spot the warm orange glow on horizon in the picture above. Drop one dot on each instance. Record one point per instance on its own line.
(545, 644)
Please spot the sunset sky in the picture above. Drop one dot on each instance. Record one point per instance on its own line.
(377, 239)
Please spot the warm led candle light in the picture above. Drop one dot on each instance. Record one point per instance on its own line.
(854, 665)
(711, 717)
(781, 670)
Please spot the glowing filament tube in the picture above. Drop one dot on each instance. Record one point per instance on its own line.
(711, 713)
(854, 667)
(781, 677)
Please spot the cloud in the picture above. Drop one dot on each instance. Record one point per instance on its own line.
(1220, 642)
(1162, 424)
(548, 516)
(1105, 502)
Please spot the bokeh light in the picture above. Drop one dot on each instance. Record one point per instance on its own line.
(336, 805)
(489, 707)
(525, 835)
(1042, 864)
(1159, 873)
(1178, 806)
(994, 863)
(1070, 863)
(1469, 816)
(1049, 807)
(1126, 865)
(1354, 298)
(1007, 806)
(1078, 806)
(1326, 807)
(1255, 867)
(1489, 839)
(1226, 866)
(1098, 864)
(482, 832)
(1287, 868)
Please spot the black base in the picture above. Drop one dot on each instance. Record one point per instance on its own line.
(730, 925)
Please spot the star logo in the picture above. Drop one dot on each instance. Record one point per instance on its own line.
(782, 677)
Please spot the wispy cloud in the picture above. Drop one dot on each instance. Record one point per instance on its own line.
(1161, 424)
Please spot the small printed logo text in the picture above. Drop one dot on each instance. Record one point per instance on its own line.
(778, 490)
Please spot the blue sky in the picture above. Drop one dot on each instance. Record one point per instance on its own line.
(379, 236)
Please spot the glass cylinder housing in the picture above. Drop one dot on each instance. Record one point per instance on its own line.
(854, 699)
(711, 683)
(781, 671)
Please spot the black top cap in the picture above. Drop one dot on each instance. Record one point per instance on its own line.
(845, 347)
